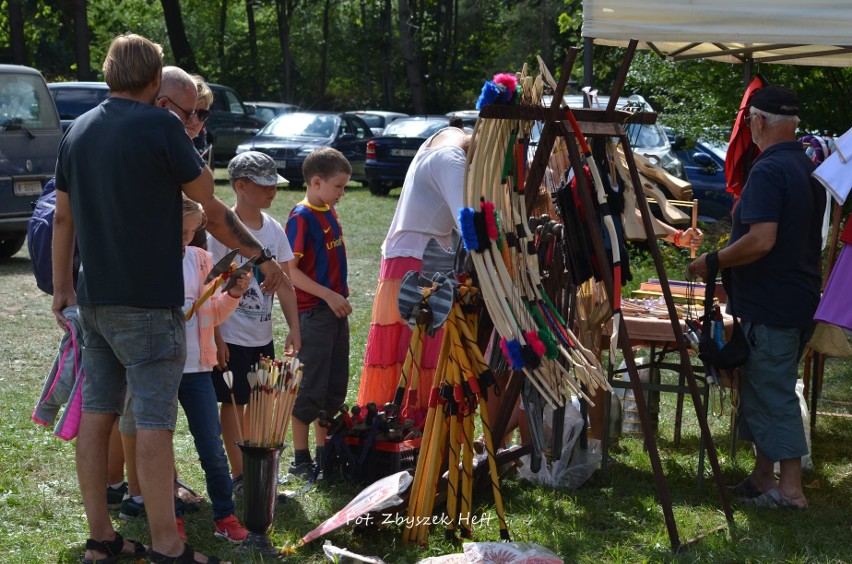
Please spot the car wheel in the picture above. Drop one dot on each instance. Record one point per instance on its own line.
(9, 247)
(379, 188)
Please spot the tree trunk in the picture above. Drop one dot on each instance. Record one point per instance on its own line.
(252, 39)
(323, 78)
(223, 20)
(410, 58)
(386, 53)
(81, 40)
(16, 32)
(181, 49)
(547, 25)
(284, 10)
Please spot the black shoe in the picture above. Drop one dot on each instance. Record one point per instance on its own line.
(304, 470)
(115, 496)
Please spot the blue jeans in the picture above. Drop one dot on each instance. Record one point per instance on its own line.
(198, 400)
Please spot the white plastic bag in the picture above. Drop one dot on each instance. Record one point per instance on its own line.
(575, 465)
(807, 462)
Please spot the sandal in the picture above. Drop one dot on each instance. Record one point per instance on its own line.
(745, 489)
(114, 550)
(187, 557)
(772, 499)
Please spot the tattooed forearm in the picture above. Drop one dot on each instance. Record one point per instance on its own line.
(239, 232)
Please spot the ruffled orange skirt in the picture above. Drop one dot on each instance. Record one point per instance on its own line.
(388, 342)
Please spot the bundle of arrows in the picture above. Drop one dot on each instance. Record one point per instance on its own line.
(274, 384)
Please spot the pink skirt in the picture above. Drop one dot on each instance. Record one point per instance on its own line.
(388, 343)
(835, 307)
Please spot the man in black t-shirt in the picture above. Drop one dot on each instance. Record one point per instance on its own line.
(773, 256)
(120, 171)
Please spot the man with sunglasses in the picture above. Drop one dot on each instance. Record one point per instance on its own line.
(773, 260)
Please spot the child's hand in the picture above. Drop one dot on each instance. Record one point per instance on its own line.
(223, 353)
(339, 305)
(293, 344)
(241, 285)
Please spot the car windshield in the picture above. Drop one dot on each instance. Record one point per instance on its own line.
(24, 103)
(646, 136)
(413, 128)
(302, 125)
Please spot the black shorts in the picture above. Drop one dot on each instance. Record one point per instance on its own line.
(242, 359)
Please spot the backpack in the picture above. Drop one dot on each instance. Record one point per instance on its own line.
(40, 239)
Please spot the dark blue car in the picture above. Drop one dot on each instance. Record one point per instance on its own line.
(705, 169)
(289, 138)
(389, 155)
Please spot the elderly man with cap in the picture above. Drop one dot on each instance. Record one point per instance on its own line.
(773, 262)
(247, 334)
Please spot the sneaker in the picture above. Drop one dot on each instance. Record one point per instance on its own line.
(130, 509)
(304, 470)
(238, 485)
(229, 528)
(115, 496)
(181, 532)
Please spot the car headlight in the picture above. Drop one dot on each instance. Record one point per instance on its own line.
(675, 168)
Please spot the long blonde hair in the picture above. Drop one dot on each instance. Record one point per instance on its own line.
(191, 206)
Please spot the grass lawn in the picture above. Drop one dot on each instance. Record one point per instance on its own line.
(612, 519)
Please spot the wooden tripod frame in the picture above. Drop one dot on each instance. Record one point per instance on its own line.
(606, 123)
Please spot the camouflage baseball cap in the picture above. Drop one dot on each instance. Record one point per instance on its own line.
(257, 167)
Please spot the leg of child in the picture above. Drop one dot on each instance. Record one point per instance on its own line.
(198, 399)
(115, 457)
(230, 435)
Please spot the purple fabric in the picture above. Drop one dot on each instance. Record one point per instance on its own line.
(836, 304)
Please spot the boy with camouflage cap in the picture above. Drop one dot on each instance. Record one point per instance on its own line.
(247, 334)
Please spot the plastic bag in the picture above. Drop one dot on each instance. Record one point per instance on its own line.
(575, 465)
(807, 462)
(498, 553)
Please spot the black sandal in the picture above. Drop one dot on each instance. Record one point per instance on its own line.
(188, 557)
(114, 550)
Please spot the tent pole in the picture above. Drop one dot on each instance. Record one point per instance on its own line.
(747, 71)
(588, 74)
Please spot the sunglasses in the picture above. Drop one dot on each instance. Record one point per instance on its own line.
(202, 115)
(187, 115)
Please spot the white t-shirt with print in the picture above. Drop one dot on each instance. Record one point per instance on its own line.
(251, 323)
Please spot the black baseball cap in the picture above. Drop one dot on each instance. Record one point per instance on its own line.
(777, 100)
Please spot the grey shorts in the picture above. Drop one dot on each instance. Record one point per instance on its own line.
(769, 413)
(325, 359)
(138, 351)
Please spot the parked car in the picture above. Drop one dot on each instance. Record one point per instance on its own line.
(389, 155)
(291, 137)
(230, 122)
(267, 111)
(29, 137)
(378, 120)
(74, 99)
(705, 169)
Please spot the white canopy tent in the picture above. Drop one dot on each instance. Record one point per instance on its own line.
(799, 32)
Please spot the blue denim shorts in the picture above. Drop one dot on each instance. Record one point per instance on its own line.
(769, 411)
(137, 349)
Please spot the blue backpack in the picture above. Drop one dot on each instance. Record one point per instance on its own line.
(40, 239)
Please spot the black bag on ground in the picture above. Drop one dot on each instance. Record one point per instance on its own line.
(734, 353)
